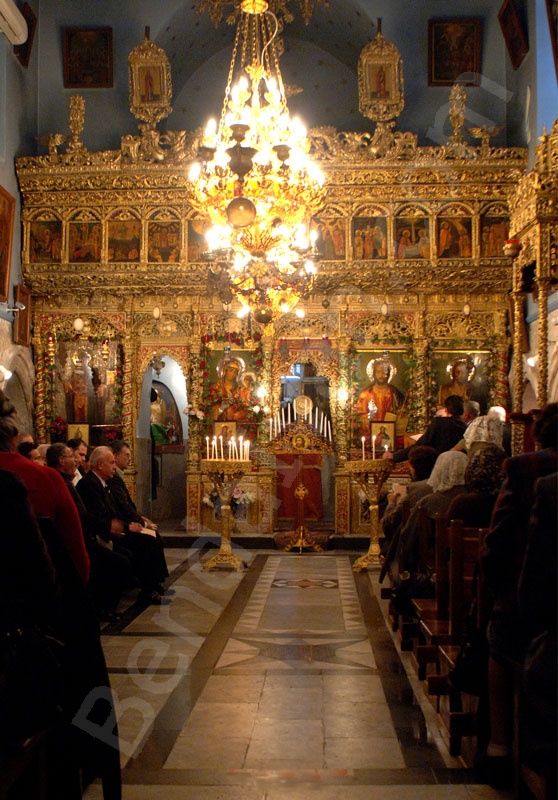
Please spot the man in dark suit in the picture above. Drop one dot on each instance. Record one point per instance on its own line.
(443, 433)
(501, 561)
(128, 537)
(111, 572)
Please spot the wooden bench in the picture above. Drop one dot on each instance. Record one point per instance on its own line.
(447, 627)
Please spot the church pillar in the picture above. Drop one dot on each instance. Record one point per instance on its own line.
(130, 399)
(543, 286)
(41, 380)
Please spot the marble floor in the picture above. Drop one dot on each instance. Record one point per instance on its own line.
(281, 681)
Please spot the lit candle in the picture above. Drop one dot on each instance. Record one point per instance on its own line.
(221, 446)
(374, 446)
(247, 450)
(240, 449)
(207, 447)
(362, 440)
(214, 447)
(386, 447)
(234, 450)
(283, 415)
(230, 448)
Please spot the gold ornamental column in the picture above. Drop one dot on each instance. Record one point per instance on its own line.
(194, 486)
(501, 390)
(40, 389)
(128, 390)
(543, 285)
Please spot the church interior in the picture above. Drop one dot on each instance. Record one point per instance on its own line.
(397, 248)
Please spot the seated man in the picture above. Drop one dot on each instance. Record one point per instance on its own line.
(111, 573)
(129, 537)
(443, 433)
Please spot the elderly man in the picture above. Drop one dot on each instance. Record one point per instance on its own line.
(128, 537)
(111, 572)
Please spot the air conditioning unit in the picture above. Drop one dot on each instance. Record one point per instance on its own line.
(12, 22)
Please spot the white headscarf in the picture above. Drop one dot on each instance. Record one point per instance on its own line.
(449, 471)
(488, 429)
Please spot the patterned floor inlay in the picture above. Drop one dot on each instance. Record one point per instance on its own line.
(279, 682)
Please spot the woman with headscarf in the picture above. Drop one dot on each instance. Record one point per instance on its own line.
(447, 481)
(483, 479)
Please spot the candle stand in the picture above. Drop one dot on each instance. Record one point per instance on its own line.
(225, 475)
(370, 474)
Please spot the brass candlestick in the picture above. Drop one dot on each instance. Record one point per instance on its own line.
(225, 475)
(370, 474)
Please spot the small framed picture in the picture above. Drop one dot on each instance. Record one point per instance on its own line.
(385, 435)
(79, 431)
(22, 319)
(87, 58)
(7, 210)
(225, 429)
(513, 32)
(454, 51)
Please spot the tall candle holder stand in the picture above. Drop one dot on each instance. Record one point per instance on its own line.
(225, 474)
(370, 475)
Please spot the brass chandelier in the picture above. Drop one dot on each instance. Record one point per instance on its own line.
(254, 181)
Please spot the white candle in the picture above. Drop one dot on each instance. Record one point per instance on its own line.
(240, 449)
(283, 415)
(362, 440)
(329, 430)
(214, 447)
(234, 449)
(374, 446)
(221, 446)
(316, 422)
(247, 451)
(289, 414)
(230, 448)
(386, 447)
(270, 428)
(207, 447)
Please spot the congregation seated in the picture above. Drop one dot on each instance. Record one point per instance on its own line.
(129, 537)
(111, 572)
(403, 498)
(443, 433)
(502, 557)
(483, 480)
(447, 481)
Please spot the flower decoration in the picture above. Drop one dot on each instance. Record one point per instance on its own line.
(112, 433)
(239, 501)
(58, 429)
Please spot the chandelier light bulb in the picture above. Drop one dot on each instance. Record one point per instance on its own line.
(300, 313)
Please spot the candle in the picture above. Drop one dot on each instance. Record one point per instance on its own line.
(247, 451)
(321, 424)
(234, 450)
(316, 422)
(270, 428)
(221, 446)
(207, 447)
(362, 440)
(230, 448)
(289, 413)
(374, 446)
(283, 415)
(240, 449)
(329, 430)
(214, 447)
(386, 447)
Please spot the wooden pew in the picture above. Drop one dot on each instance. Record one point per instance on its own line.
(447, 627)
